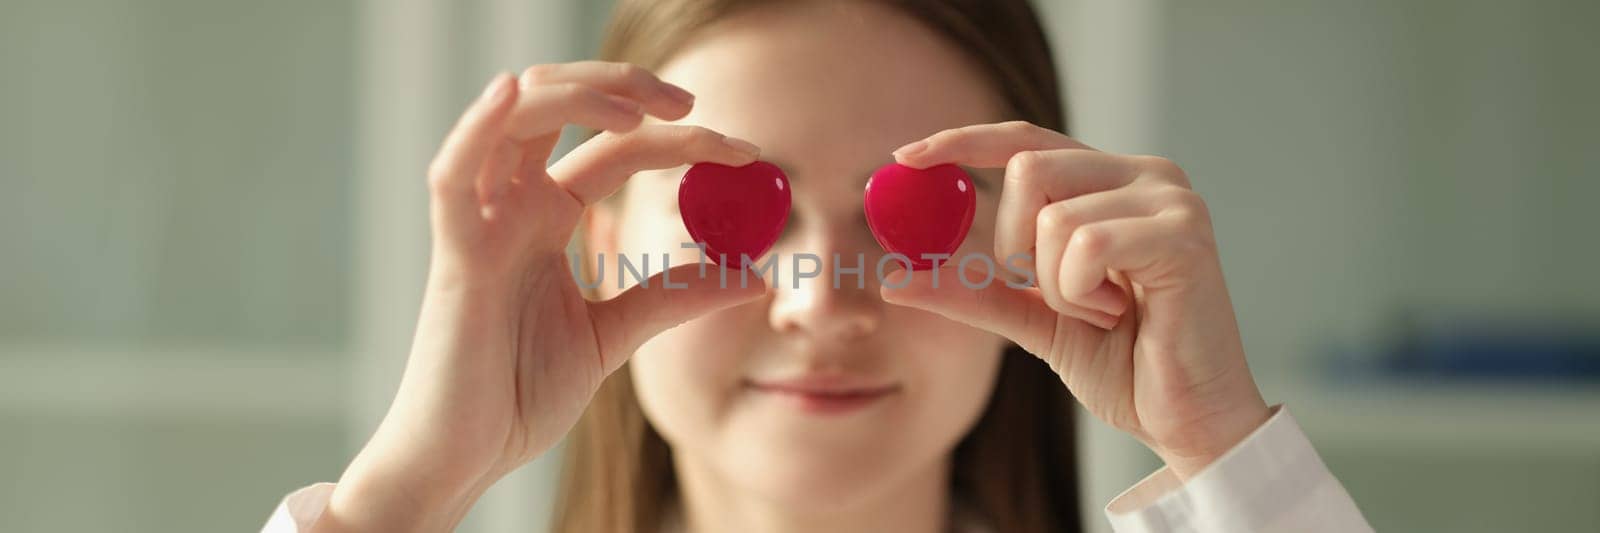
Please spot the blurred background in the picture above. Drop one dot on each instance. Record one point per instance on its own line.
(212, 237)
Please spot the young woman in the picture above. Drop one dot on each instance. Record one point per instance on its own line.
(805, 405)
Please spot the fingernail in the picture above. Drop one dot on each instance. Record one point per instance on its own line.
(623, 105)
(496, 90)
(677, 93)
(1107, 298)
(911, 149)
(742, 146)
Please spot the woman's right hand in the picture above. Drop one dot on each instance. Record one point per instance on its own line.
(508, 352)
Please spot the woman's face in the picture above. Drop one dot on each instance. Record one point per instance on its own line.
(815, 395)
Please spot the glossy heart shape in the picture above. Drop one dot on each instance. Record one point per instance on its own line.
(734, 210)
(920, 211)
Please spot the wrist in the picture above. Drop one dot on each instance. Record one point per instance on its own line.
(1207, 440)
(365, 499)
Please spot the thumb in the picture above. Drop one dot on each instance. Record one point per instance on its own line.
(662, 302)
(1019, 314)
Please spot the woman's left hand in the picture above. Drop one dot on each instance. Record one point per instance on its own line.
(1130, 306)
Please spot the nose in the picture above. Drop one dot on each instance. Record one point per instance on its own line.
(814, 306)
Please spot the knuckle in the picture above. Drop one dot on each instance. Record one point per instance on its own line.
(1017, 126)
(536, 74)
(1056, 218)
(1164, 168)
(1188, 205)
(1089, 241)
(1159, 164)
(631, 74)
(1026, 166)
(574, 91)
(1175, 196)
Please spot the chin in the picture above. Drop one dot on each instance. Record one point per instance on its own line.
(831, 469)
(821, 483)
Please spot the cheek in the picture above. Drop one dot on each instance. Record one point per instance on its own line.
(686, 378)
(953, 369)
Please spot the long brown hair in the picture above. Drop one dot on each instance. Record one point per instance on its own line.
(1017, 469)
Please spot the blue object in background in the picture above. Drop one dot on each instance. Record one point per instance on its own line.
(1516, 350)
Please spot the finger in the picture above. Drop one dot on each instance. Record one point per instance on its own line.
(542, 110)
(1050, 247)
(1056, 224)
(1036, 179)
(597, 168)
(659, 98)
(983, 145)
(452, 174)
(535, 124)
(1021, 315)
(1135, 246)
(627, 321)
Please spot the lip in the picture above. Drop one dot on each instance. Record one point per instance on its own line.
(826, 394)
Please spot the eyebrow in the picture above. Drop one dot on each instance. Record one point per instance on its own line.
(981, 180)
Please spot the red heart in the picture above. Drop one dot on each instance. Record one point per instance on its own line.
(734, 211)
(920, 211)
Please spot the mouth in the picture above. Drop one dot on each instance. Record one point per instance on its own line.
(825, 394)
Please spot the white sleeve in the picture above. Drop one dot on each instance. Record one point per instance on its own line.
(299, 509)
(1273, 480)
